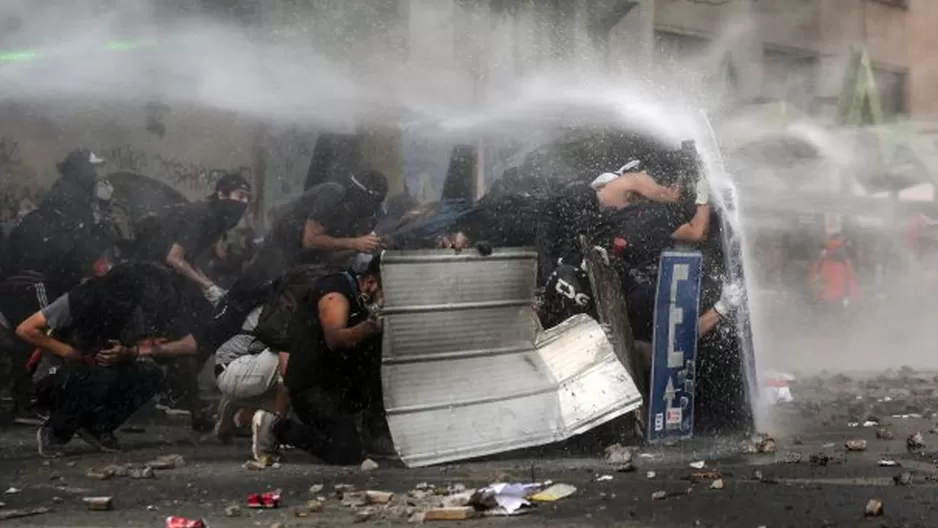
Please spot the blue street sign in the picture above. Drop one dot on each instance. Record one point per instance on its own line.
(674, 347)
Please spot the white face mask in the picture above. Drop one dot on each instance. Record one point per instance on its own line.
(104, 190)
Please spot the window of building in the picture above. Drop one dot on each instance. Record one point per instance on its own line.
(676, 47)
(892, 86)
(791, 76)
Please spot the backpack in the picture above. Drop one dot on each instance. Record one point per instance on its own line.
(290, 305)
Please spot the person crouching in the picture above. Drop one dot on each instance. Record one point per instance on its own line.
(90, 372)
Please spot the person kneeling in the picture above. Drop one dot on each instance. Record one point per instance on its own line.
(333, 371)
(90, 373)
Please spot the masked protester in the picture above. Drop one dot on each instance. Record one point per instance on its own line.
(50, 251)
(332, 372)
(95, 343)
(323, 229)
(176, 238)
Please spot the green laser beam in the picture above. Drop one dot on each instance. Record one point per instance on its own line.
(113, 45)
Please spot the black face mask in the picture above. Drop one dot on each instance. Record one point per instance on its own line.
(230, 211)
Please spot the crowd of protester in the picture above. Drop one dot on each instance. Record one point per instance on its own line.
(98, 325)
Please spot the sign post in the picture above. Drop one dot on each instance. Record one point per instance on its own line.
(674, 347)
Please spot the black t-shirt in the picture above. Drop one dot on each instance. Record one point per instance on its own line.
(195, 227)
(325, 204)
(157, 314)
(312, 363)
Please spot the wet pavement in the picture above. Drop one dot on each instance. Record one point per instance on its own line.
(809, 480)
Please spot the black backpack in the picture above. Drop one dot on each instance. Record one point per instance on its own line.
(290, 305)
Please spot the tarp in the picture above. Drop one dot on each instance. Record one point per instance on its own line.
(467, 371)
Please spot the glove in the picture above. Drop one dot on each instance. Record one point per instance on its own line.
(703, 191)
(730, 299)
(214, 294)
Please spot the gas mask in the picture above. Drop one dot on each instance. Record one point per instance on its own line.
(103, 189)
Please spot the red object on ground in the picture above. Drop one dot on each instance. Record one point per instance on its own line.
(182, 522)
(271, 499)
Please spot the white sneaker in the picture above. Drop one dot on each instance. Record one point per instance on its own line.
(263, 442)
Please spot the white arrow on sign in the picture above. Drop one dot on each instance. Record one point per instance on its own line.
(676, 315)
(669, 393)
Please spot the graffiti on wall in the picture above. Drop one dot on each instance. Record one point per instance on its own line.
(180, 174)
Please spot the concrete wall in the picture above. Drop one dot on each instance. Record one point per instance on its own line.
(194, 146)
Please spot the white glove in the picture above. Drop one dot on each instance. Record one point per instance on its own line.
(214, 294)
(730, 299)
(703, 191)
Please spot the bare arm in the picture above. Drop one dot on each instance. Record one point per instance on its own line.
(177, 261)
(644, 185)
(333, 315)
(698, 227)
(173, 349)
(316, 237)
(34, 331)
(707, 322)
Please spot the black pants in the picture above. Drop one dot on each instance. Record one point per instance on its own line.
(325, 426)
(97, 398)
(328, 419)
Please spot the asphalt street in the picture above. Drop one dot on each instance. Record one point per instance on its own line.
(785, 488)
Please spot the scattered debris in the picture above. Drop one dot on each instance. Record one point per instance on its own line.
(450, 514)
(99, 503)
(705, 475)
(716, 484)
(698, 464)
(99, 474)
(378, 497)
(766, 446)
(903, 479)
(182, 522)
(16, 514)
(604, 478)
(791, 457)
(143, 473)
(12, 491)
(167, 462)
(277, 525)
(874, 508)
(57, 499)
(659, 495)
(757, 475)
(369, 465)
(354, 499)
(650, 475)
(315, 489)
(553, 493)
(620, 457)
(503, 498)
(870, 423)
(855, 445)
(364, 515)
(270, 499)
(152, 508)
(796, 440)
(915, 442)
(233, 511)
(884, 434)
(819, 459)
(885, 462)
(315, 506)
(342, 489)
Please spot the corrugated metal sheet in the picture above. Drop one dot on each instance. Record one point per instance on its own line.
(466, 371)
